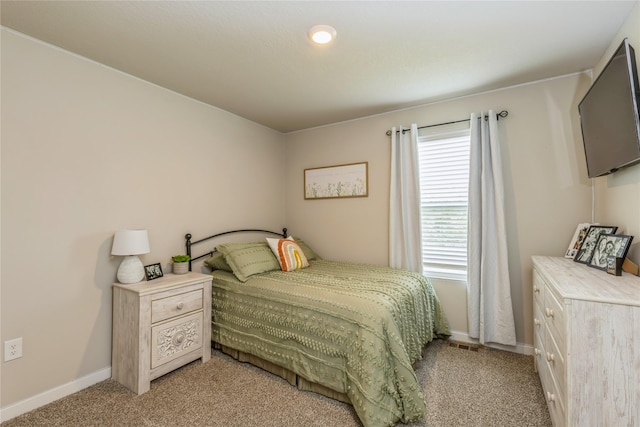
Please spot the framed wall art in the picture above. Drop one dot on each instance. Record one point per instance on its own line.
(329, 182)
(588, 245)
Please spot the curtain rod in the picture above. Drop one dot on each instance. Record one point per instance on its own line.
(503, 113)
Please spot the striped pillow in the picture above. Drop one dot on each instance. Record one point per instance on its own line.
(289, 254)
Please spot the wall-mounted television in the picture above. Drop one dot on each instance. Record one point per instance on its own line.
(609, 115)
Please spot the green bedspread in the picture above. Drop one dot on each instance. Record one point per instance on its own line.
(356, 329)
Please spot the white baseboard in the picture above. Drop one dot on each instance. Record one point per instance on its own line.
(56, 393)
(518, 348)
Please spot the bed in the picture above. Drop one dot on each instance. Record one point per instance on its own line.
(348, 331)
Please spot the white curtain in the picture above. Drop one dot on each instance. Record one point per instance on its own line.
(405, 235)
(490, 311)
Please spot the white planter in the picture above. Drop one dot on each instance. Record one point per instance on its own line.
(180, 267)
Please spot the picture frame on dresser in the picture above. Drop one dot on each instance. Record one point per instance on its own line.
(576, 241)
(588, 246)
(609, 245)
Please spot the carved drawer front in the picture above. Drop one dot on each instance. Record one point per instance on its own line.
(172, 339)
(177, 305)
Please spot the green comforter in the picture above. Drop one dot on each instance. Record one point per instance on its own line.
(356, 329)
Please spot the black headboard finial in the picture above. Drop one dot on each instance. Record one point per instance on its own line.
(284, 233)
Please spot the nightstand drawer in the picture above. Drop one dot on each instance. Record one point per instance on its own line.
(177, 305)
(172, 339)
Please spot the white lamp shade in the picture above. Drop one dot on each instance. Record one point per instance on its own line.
(130, 242)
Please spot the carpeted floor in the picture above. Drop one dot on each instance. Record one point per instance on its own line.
(461, 388)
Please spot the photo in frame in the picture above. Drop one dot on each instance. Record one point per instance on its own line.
(614, 265)
(153, 271)
(576, 241)
(609, 245)
(588, 245)
(350, 180)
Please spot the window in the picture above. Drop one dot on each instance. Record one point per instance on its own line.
(444, 185)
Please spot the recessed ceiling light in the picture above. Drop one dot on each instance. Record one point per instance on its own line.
(322, 34)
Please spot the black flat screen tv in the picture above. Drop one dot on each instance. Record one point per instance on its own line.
(609, 115)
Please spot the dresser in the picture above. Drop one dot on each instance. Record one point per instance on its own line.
(587, 343)
(159, 326)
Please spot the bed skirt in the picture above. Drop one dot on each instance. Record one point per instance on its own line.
(287, 375)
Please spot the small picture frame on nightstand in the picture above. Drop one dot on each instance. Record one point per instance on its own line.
(153, 271)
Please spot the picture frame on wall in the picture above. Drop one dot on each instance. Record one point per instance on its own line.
(588, 245)
(153, 271)
(340, 181)
(609, 245)
(576, 241)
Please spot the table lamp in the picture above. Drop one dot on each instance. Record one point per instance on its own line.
(129, 243)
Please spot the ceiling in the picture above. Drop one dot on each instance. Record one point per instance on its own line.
(254, 58)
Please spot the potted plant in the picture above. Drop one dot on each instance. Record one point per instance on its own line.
(180, 264)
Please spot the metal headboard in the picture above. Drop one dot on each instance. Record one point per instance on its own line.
(189, 243)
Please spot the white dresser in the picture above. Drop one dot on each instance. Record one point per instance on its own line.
(587, 343)
(159, 326)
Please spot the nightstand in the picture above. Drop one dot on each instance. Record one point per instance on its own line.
(159, 326)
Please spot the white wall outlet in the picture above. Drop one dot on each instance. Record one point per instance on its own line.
(13, 349)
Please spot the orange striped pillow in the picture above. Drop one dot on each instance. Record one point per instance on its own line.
(289, 254)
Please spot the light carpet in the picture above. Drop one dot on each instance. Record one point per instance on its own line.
(461, 387)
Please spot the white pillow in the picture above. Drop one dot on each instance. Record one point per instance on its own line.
(288, 253)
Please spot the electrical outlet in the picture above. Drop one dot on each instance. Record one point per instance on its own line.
(13, 349)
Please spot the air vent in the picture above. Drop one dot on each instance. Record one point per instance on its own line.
(464, 346)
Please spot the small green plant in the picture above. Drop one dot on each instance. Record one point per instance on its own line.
(181, 258)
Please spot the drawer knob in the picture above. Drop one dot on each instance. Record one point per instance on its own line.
(536, 289)
(180, 306)
(536, 321)
(551, 397)
(548, 312)
(537, 351)
(551, 357)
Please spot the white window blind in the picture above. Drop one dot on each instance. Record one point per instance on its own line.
(444, 185)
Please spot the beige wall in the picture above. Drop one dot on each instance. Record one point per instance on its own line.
(87, 150)
(546, 190)
(618, 195)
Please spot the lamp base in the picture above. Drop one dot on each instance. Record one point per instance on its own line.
(131, 270)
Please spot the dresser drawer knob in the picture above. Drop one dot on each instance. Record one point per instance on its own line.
(180, 306)
(551, 397)
(537, 351)
(536, 321)
(551, 357)
(536, 289)
(548, 312)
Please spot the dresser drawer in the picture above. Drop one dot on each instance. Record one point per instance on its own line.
(556, 363)
(539, 350)
(553, 313)
(554, 402)
(174, 338)
(538, 289)
(177, 305)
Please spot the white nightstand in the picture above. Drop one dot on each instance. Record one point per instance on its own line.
(159, 326)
